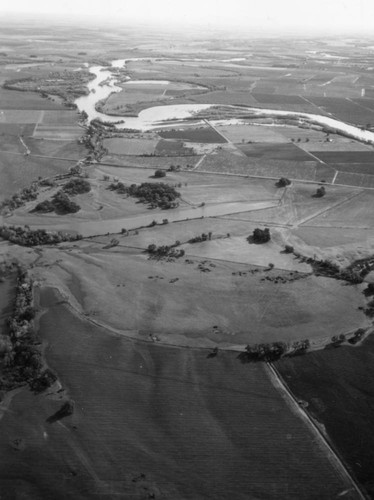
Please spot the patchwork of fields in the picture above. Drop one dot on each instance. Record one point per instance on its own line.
(144, 316)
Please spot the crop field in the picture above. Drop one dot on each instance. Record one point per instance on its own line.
(192, 425)
(201, 134)
(123, 146)
(278, 99)
(172, 147)
(338, 387)
(344, 109)
(345, 156)
(251, 133)
(225, 97)
(13, 100)
(58, 133)
(353, 179)
(63, 118)
(355, 168)
(275, 151)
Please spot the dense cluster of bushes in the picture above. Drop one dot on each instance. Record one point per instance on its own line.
(259, 236)
(165, 251)
(160, 173)
(32, 237)
(21, 359)
(283, 182)
(77, 186)
(60, 203)
(20, 197)
(273, 351)
(200, 238)
(157, 194)
(321, 191)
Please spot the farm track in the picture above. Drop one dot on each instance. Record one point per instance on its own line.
(337, 204)
(333, 455)
(38, 156)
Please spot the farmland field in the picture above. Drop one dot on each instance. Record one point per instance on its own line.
(181, 426)
(122, 146)
(201, 134)
(160, 289)
(337, 385)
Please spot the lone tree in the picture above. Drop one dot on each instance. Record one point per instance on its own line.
(160, 173)
(321, 191)
(259, 235)
(283, 182)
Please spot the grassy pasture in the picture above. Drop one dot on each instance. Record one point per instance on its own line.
(18, 171)
(124, 146)
(189, 307)
(201, 134)
(196, 428)
(335, 238)
(16, 116)
(150, 161)
(58, 148)
(356, 212)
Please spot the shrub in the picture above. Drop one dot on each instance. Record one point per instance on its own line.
(283, 182)
(260, 236)
(321, 191)
(77, 186)
(160, 173)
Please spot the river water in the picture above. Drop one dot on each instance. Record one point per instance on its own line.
(155, 116)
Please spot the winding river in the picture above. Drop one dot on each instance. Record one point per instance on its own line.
(105, 83)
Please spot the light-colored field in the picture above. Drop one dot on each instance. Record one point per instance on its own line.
(358, 212)
(58, 133)
(20, 116)
(251, 133)
(182, 304)
(62, 118)
(122, 146)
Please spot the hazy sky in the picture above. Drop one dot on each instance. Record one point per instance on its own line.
(328, 15)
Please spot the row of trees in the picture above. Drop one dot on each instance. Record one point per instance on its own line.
(273, 351)
(165, 251)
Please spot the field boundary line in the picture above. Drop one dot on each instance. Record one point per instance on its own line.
(217, 131)
(199, 162)
(333, 455)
